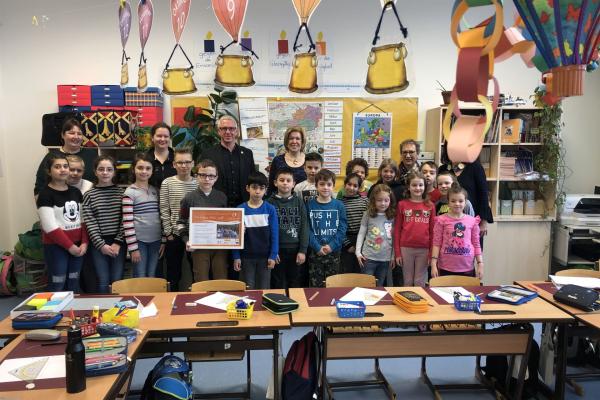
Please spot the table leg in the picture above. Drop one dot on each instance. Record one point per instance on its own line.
(561, 362)
(323, 363)
(275, 364)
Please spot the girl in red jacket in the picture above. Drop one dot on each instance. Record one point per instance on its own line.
(413, 231)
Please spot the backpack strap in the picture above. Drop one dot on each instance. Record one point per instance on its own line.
(173, 52)
(389, 4)
(312, 44)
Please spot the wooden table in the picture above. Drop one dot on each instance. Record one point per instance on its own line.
(166, 325)
(393, 344)
(591, 328)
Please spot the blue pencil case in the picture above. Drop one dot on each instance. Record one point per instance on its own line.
(36, 320)
(512, 295)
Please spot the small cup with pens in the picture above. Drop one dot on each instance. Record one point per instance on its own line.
(105, 355)
(87, 323)
(468, 302)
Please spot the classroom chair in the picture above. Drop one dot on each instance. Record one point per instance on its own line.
(452, 280)
(140, 285)
(210, 356)
(356, 280)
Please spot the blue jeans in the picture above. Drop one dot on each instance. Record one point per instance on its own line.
(378, 269)
(108, 269)
(63, 268)
(149, 254)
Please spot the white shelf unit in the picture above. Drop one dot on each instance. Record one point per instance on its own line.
(517, 247)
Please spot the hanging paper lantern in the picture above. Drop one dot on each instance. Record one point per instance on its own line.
(233, 70)
(566, 33)
(303, 78)
(124, 29)
(145, 16)
(179, 80)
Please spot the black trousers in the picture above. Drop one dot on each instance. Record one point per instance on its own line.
(174, 251)
(287, 273)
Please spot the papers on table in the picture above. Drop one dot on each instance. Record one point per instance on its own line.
(218, 300)
(560, 281)
(148, 311)
(368, 296)
(447, 293)
(28, 368)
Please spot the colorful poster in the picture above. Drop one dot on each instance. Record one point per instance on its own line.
(306, 114)
(371, 136)
(254, 118)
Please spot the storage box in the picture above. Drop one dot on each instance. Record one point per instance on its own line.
(152, 97)
(37, 301)
(506, 207)
(517, 207)
(74, 95)
(147, 116)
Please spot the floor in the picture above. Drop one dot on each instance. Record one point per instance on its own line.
(403, 374)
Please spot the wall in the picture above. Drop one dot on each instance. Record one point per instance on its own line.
(78, 42)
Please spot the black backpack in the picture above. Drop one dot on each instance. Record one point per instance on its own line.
(496, 370)
(170, 379)
(300, 376)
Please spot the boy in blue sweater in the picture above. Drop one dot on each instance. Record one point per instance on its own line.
(327, 222)
(261, 236)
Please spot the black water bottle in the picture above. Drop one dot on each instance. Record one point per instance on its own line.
(75, 361)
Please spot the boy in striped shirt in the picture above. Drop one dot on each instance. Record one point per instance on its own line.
(172, 191)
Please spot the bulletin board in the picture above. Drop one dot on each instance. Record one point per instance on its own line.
(403, 113)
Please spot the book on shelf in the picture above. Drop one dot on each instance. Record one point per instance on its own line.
(484, 159)
(511, 130)
(492, 134)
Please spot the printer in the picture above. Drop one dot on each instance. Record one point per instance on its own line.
(577, 238)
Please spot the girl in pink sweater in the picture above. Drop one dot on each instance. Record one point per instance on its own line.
(456, 239)
(413, 231)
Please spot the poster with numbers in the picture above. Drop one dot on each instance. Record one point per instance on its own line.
(371, 136)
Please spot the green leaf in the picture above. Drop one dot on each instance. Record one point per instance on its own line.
(215, 98)
(202, 118)
(189, 114)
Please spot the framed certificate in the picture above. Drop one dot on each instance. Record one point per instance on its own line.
(216, 228)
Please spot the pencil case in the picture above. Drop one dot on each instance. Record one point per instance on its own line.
(110, 329)
(105, 355)
(278, 303)
(410, 302)
(37, 320)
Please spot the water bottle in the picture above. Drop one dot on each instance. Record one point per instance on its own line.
(75, 361)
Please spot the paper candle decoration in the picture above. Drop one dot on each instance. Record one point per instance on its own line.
(321, 45)
(282, 44)
(209, 43)
(247, 41)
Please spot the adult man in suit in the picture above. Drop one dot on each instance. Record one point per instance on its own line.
(234, 162)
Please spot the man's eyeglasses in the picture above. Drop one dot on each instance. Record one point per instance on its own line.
(409, 153)
(207, 176)
(183, 163)
(228, 128)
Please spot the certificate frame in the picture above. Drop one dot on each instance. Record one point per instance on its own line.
(216, 228)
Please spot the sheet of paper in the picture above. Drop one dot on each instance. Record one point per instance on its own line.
(254, 118)
(260, 152)
(88, 303)
(447, 293)
(560, 281)
(368, 296)
(54, 367)
(148, 311)
(218, 300)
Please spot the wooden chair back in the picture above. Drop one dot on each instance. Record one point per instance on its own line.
(454, 280)
(140, 285)
(350, 280)
(218, 285)
(580, 273)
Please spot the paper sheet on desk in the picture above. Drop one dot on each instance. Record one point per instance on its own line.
(148, 311)
(560, 281)
(368, 296)
(218, 300)
(54, 368)
(447, 293)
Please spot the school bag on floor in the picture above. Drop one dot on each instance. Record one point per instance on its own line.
(170, 379)
(7, 277)
(301, 369)
(30, 244)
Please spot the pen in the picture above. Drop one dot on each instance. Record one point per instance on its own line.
(173, 306)
(332, 301)
(313, 296)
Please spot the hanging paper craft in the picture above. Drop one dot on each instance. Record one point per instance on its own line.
(567, 34)
(124, 28)
(179, 80)
(474, 69)
(233, 70)
(304, 68)
(387, 71)
(145, 15)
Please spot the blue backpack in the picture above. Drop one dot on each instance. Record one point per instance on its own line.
(170, 379)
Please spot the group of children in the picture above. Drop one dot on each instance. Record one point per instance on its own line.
(299, 235)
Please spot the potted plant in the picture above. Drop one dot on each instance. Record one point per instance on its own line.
(200, 129)
(445, 93)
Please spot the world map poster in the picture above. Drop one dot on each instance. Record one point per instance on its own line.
(371, 136)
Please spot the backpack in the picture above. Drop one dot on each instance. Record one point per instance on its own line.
(7, 277)
(496, 370)
(301, 369)
(30, 244)
(170, 379)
